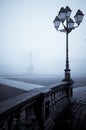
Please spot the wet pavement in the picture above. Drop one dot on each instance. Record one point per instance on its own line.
(75, 117)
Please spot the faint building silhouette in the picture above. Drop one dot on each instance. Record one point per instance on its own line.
(30, 66)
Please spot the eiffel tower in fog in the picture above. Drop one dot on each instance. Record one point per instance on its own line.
(30, 67)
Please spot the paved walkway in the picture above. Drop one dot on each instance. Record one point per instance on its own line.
(11, 88)
(19, 84)
(75, 117)
(78, 110)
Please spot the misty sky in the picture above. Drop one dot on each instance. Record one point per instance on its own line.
(26, 26)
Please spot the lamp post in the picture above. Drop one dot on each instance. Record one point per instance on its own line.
(68, 24)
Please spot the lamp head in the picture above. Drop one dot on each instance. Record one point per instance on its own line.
(68, 11)
(62, 14)
(70, 24)
(78, 17)
(56, 22)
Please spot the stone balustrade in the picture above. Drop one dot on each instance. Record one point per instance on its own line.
(35, 110)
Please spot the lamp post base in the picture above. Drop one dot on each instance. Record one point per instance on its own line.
(70, 82)
(67, 77)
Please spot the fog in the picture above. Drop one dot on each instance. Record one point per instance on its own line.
(28, 37)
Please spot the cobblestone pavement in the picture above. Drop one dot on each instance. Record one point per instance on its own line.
(75, 116)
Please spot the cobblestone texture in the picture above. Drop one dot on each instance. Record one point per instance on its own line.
(75, 116)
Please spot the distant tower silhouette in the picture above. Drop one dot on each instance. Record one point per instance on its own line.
(30, 68)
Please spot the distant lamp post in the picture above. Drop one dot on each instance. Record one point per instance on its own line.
(68, 24)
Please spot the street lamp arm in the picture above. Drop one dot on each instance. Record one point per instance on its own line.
(67, 29)
(64, 26)
(62, 30)
(75, 27)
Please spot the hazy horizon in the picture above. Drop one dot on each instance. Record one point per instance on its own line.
(26, 28)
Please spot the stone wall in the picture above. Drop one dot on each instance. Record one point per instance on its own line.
(36, 110)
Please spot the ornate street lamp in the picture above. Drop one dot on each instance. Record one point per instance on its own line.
(68, 24)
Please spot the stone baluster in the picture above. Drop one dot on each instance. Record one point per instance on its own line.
(10, 123)
(53, 102)
(50, 100)
(32, 114)
(55, 99)
(27, 122)
(54, 105)
(4, 125)
(16, 121)
(52, 110)
(58, 94)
